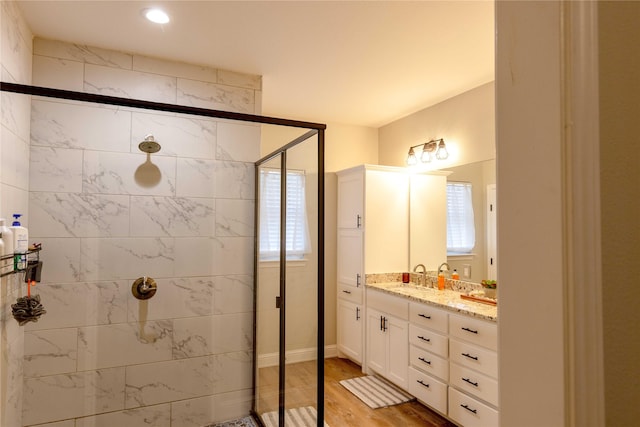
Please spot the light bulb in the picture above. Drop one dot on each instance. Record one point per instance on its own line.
(157, 16)
(411, 158)
(442, 152)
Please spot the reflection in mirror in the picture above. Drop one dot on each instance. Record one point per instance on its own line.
(475, 265)
(472, 266)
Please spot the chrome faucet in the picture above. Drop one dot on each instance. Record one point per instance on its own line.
(448, 268)
(423, 280)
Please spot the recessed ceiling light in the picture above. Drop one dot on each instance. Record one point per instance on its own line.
(158, 16)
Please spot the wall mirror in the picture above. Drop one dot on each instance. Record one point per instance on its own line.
(480, 263)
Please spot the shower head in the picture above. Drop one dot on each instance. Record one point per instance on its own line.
(149, 145)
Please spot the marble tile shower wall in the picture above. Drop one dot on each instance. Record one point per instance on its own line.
(100, 357)
(15, 64)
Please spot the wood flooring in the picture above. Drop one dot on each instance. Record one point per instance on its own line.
(342, 409)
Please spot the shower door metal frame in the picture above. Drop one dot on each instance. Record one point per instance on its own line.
(316, 129)
(282, 152)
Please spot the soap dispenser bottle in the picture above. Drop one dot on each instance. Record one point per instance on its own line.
(440, 280)
(20, 242)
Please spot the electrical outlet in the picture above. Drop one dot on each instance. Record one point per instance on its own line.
(466, 271)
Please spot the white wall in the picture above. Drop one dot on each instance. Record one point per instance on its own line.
(530, 219)
(15, 61)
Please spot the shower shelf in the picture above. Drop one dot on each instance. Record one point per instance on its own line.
(7, 257)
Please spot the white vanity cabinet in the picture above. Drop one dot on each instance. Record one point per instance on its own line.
(387, 337)
(373, 232)
(473, 373)
(428, 355)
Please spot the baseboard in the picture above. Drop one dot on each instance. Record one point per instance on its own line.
(296, 356)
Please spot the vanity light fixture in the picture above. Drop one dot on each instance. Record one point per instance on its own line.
(435, 147)
(157, 16)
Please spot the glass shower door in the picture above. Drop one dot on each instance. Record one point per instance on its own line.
(287, 287)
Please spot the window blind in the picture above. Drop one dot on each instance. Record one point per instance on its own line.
(297, 230)
(461, 232)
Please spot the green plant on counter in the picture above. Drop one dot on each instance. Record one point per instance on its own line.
(489, 284)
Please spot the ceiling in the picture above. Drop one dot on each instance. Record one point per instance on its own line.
(363, 63)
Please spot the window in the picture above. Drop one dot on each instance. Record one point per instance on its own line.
(461, 232)
(297, 233)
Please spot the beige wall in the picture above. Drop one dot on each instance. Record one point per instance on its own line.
(466, 122)
(345, 146)
(619, 50)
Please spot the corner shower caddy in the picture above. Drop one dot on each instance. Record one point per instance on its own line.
(7, 257)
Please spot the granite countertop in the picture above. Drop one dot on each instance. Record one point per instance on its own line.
(447, 299)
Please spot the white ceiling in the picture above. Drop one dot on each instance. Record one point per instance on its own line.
(352, 62)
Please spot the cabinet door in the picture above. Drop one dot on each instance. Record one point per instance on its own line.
(350, 329)
(351, 200)
(398, 351)
(376, 342)
(350, 257)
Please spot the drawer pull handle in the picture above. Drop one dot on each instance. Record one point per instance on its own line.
(475, 411)
(424, 339)
(428, 362)
(470, 382)
(470, 356)
(470, 330)
(424, 315)
(347, 292)
(422, 383)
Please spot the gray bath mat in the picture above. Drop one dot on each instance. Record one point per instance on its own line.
(376, 392)
(242, 422)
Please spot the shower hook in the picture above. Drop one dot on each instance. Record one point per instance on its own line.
(144, 288)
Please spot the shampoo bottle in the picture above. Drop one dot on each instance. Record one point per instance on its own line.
(6, 265)
(455, 275)
(20, 242)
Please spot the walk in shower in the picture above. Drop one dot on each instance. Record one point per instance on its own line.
(183, 285)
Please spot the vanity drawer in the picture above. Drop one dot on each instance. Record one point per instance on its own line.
(476, 331)
(468, 412)
(474, 357)
(428, 316)
(429, 362)
(428, 390)
(473, 382)
(350, 293)
(429, 340)
(390, 304)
